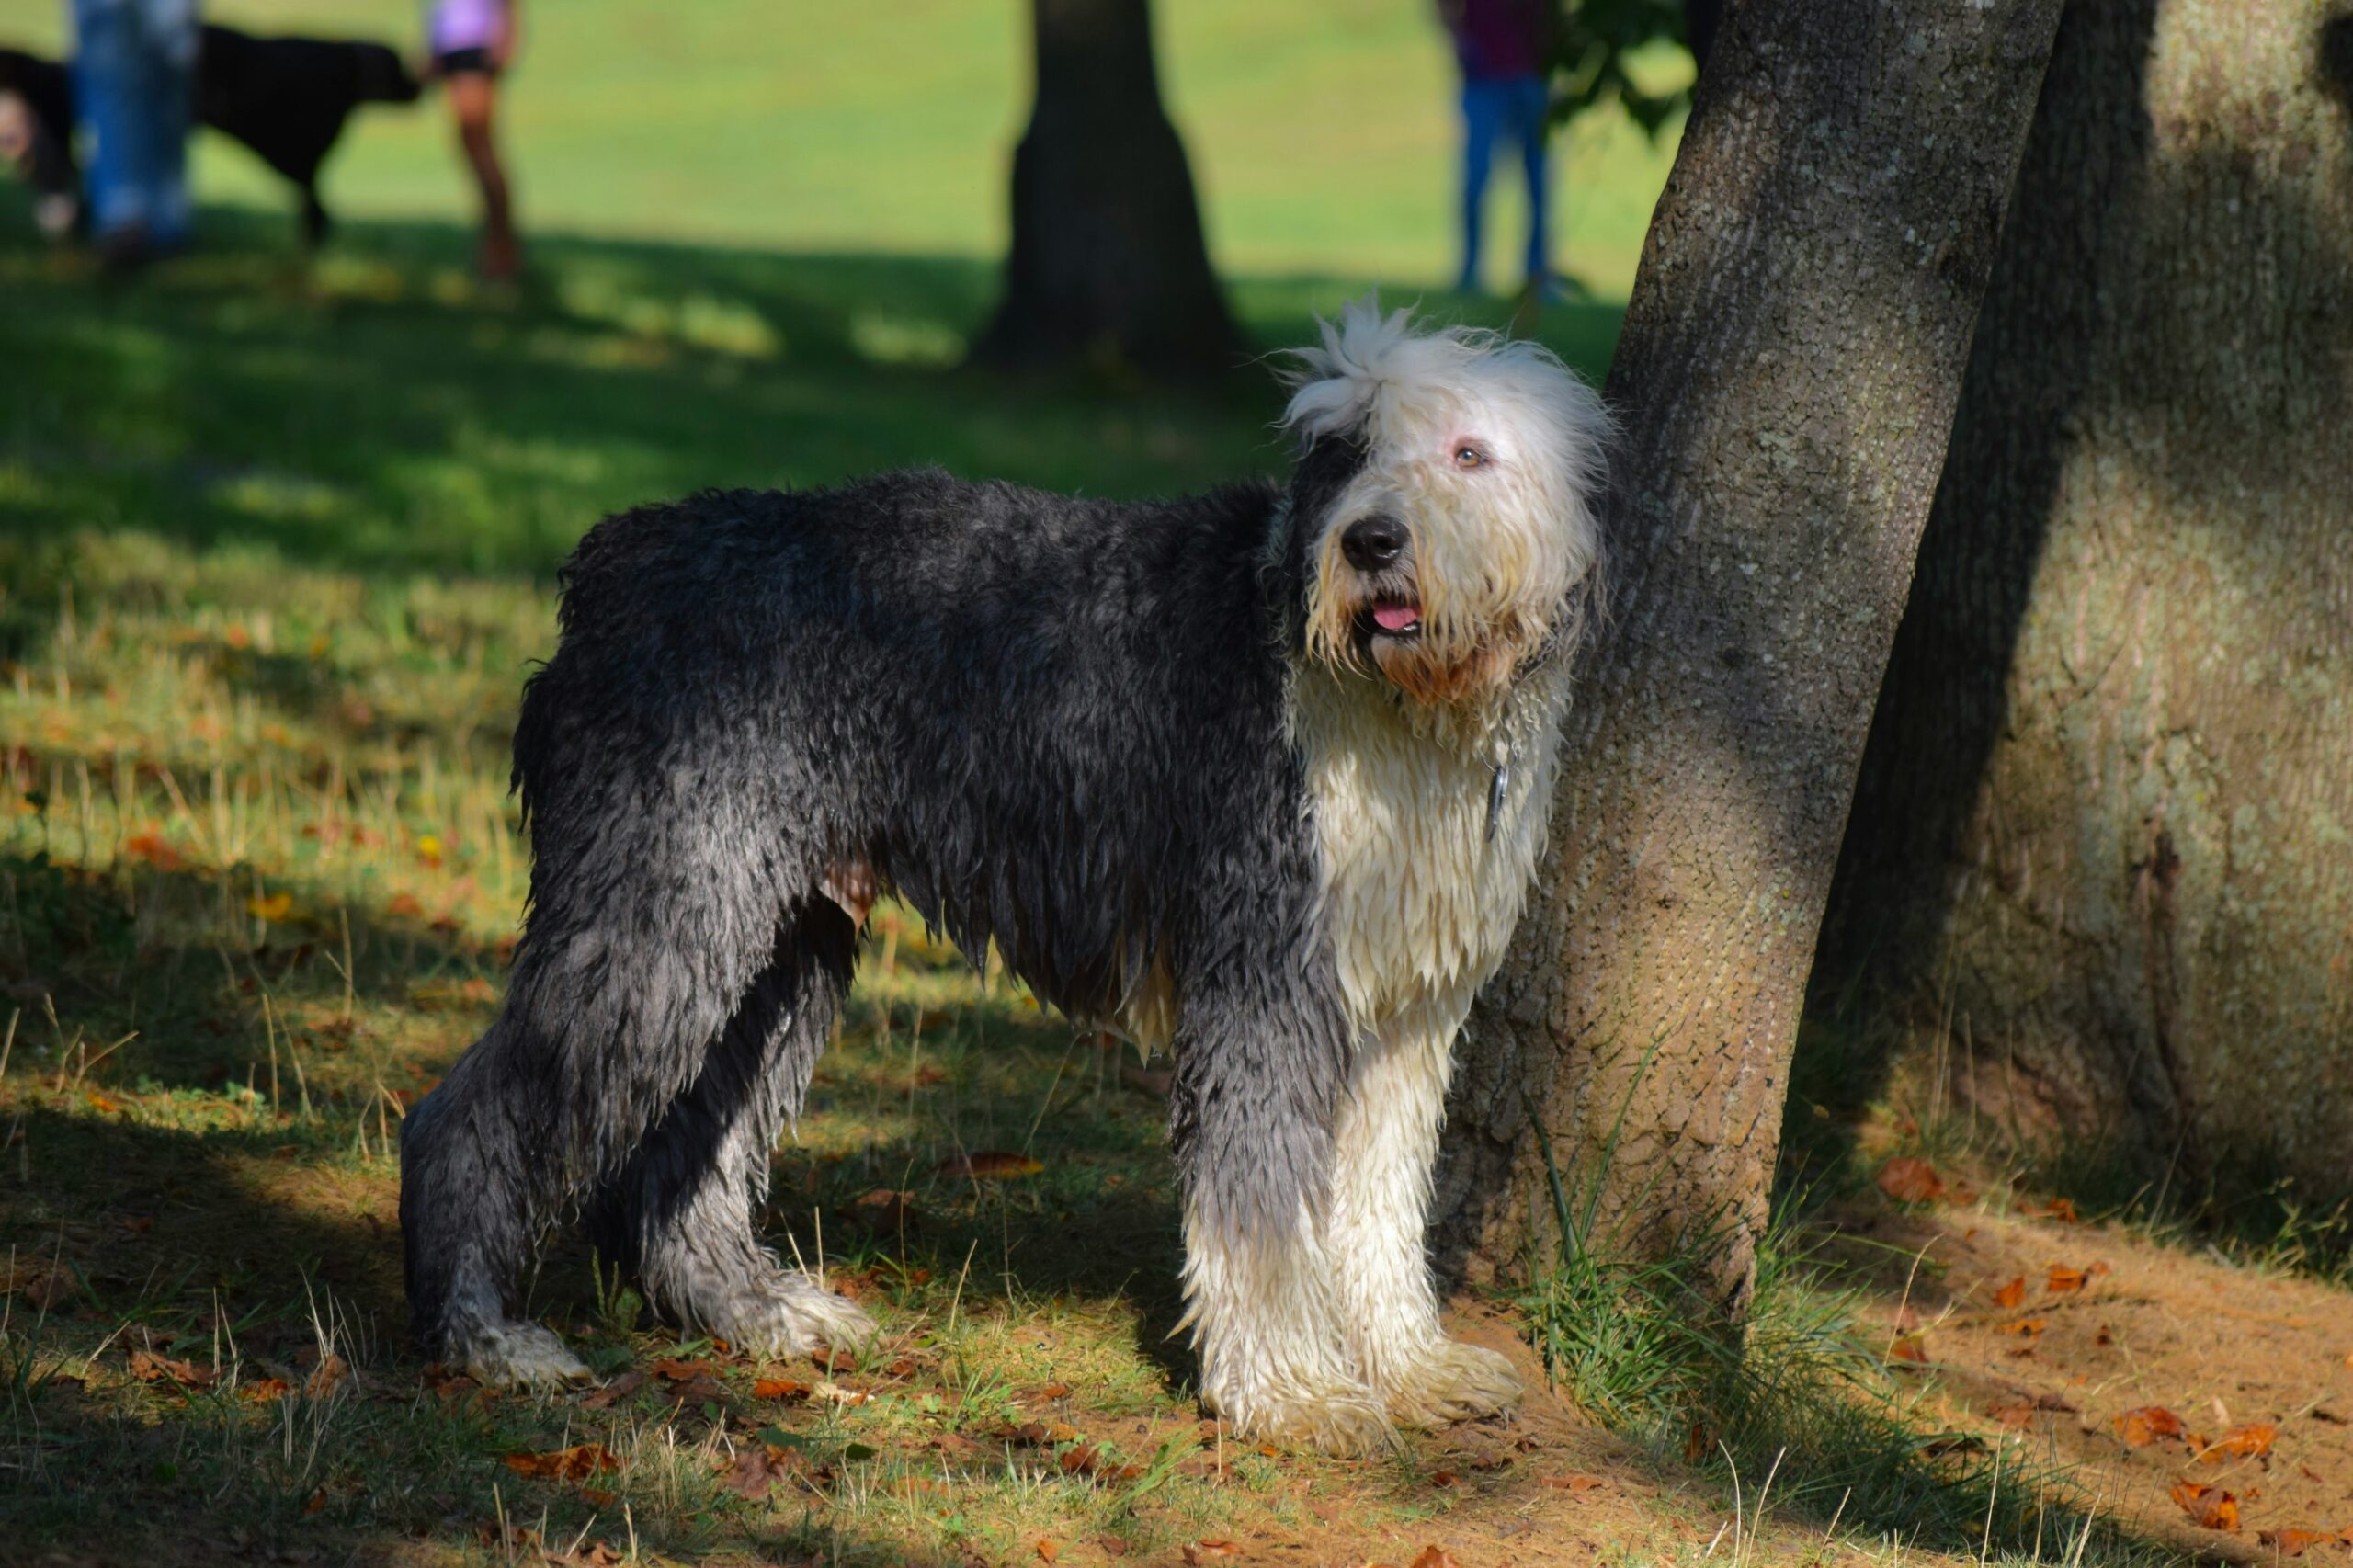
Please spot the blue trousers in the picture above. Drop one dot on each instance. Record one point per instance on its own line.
(1501, 108)
(134, 87)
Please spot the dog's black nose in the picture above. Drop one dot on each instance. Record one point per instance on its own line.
(1373, 543)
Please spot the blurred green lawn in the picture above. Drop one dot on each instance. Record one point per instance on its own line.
(761, 238)
(1322, 133)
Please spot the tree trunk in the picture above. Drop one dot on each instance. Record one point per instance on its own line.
(2106, 814)
(1787, 379)
(1107, 262)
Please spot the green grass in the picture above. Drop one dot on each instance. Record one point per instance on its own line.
(1322, 136)
(275, 547)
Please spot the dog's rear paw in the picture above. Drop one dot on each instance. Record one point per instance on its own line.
(519, 1355)
(788, 1314)
(1462, 1383)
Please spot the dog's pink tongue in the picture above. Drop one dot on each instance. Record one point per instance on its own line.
(1396, 618)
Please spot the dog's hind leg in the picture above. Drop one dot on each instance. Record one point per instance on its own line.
(1383, 1150)
(650, 927)
(470, 1167)
(682, 1213)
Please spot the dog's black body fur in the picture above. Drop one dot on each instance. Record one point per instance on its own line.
(285, 98)
(1051, 722)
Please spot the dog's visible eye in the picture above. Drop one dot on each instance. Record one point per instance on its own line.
(1470, 455)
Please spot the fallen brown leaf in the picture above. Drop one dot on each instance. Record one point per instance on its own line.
(1046, 1549)
(2293, 1542)
(675, 1372)
(2147, 1423)
(1435, 1557)
(786, 1389)
(1573, 1485)
(576, 1463)
(1910, 1348)
(1201, 1552)
(620, 1388)
(2028, 1326)
(1909, 1180)
(149, 1368)
(261, 1391)
(2251, 1441)
(2011, 1294)
(884, 1209)
(2064, 1279)
(2212, 1507)
(2019, 1415)
(758, 1469)
(1113, 1545)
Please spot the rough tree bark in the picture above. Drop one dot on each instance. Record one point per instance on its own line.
(1787, 379)
(2106, 814)
(1107, 261)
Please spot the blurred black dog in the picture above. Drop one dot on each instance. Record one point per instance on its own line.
(285, 99)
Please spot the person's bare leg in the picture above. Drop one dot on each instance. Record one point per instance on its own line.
(473, 98)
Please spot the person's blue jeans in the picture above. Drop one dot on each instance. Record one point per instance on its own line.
(1504, 108)
(134, 87)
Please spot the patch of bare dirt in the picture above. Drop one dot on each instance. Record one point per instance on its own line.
(2205, 1405)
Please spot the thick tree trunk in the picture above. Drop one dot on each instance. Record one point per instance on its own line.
(1107, 262)
(2106, 816)
(1787, 380)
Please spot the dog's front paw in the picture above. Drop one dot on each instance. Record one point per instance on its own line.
(518, 1355)
(1345, 1421)
(1459, 1383)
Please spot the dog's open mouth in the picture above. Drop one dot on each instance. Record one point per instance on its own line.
(1397, 618)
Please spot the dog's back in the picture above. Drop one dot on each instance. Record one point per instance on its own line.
(287, 98)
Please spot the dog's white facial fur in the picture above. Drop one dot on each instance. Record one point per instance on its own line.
(1489, 451)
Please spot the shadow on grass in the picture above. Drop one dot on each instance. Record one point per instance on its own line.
(165, 1198)
(381, 409)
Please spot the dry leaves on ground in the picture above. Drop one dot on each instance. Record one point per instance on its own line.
(2148, 1424)
(2251, 1441)
(620, 1389)
(2012, 1294)
(2295, 1544)
(150, 1368)
(1909, 1180)
(2212, 1507)
(756, 1471)
(575, 1463)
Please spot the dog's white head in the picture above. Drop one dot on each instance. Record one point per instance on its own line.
(1442, 529)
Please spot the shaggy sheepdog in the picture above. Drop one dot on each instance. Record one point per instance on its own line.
(1256, 778)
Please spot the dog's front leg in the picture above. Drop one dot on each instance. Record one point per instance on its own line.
(1383, 1149)
(1252, 1112)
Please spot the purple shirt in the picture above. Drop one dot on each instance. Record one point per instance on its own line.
(1497, 38)
(454, 25)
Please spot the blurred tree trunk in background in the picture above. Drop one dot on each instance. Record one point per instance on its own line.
(1107, 261)
(1787, 378)
(2106, 814)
